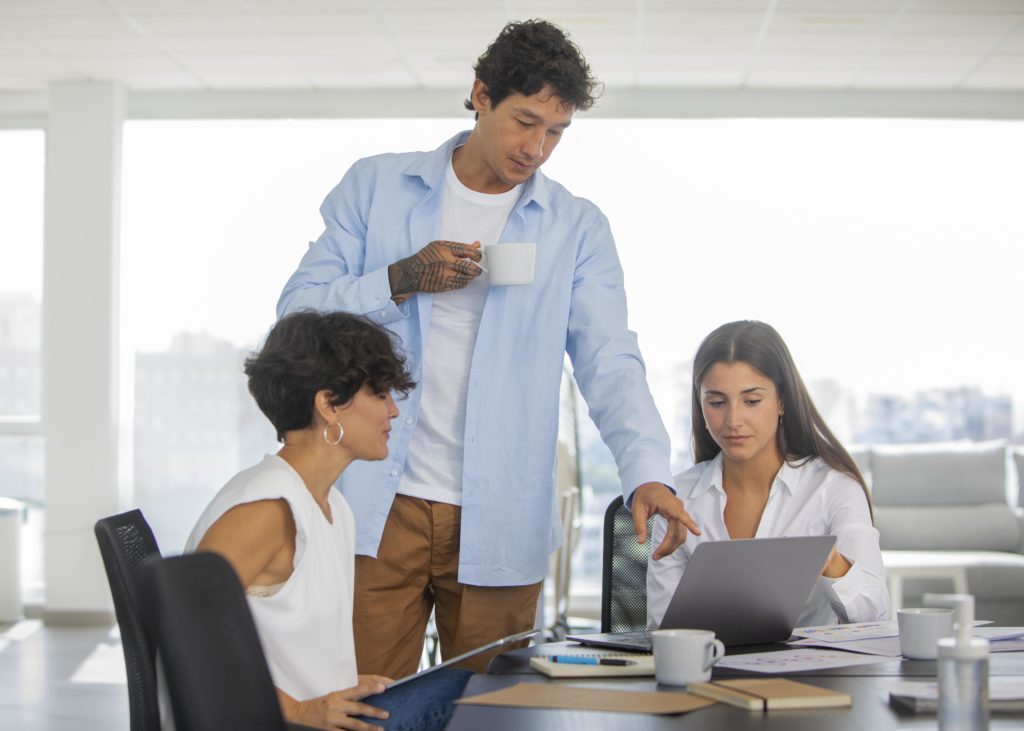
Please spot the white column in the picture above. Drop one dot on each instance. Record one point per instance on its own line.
(80, 340)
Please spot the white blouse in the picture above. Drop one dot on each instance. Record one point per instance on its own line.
(306, 625)
(810, 499)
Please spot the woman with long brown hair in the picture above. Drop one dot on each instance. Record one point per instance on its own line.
(767, 466)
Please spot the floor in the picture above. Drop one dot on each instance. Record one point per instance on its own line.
(61, 678)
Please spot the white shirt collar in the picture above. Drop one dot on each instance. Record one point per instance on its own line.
(788, 477)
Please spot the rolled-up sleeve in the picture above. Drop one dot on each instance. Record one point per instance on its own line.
(861, 595)
(332, 275)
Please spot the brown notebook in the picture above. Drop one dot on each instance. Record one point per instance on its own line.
(765, 694)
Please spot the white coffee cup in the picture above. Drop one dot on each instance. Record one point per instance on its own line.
(684, 656)
(921, 629)
(508, 263)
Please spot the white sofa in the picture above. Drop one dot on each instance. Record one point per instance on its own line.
(947, 522)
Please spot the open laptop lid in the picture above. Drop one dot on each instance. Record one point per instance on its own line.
(748, 591)
(511, 639)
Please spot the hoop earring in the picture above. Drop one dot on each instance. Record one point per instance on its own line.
(341, 433)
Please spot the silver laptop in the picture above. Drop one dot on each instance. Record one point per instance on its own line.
(747, 591)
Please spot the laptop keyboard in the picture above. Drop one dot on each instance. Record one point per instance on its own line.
(637, 641)
(639, 638)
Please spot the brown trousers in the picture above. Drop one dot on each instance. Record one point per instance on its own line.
(416, 570)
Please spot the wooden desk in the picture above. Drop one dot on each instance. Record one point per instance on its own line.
(867, 684)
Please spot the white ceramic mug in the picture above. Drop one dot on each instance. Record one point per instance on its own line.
(508, 263)
(684, 656)
(921, 629)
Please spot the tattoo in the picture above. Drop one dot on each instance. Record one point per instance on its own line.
(429, 270)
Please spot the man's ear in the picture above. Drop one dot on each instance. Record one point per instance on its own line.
(479, 96)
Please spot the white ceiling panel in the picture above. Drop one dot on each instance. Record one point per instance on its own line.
(255, 80)
(171, 7)
(394, 77)
(929, 46)
(342, 22)
(673, 79)
(833, 65)
(474, 20)
(139, 66)
(814, 44)
(723, 21)
(431, 44)
(996, 24)
(205, 25)
(656, 43)
(93, 45)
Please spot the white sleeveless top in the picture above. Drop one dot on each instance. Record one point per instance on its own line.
(306, 625)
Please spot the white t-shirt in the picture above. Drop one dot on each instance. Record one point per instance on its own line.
(433, 467)
(306, 626)
(809, 499)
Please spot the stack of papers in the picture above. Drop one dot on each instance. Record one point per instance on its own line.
(796, 660)
(882, 638)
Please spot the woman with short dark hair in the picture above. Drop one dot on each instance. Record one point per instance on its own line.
(325, 382)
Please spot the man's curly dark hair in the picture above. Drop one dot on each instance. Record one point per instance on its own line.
(529, 55)
(307, 352)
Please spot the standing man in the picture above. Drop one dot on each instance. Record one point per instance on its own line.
(462, 515)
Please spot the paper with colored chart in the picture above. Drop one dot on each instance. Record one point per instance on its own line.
(794, 661)
(885, 646)
(848, 632)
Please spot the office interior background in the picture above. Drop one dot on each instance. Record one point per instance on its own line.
(846, 170)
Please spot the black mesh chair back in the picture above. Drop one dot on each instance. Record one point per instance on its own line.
(216, 672)
(624, 572)
(125, 541)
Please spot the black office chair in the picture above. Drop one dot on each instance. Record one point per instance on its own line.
(216, 672)
(125, 541)
(623, 572)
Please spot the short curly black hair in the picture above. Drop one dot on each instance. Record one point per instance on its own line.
(531, 54)
(308, 351)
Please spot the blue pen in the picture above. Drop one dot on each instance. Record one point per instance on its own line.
(584, 660)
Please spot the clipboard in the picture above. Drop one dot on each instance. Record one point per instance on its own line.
(511, 639)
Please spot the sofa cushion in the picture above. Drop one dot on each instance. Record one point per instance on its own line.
(960, 528)
(939, 474)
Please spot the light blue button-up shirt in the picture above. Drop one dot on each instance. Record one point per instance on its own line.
(389, 207)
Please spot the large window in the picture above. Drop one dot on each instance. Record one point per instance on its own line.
(21, 286)
(216, 218)
(887, 253)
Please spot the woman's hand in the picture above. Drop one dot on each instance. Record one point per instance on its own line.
(837, 566)
(336, 710)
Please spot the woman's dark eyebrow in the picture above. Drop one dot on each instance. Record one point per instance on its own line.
(711, 391)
